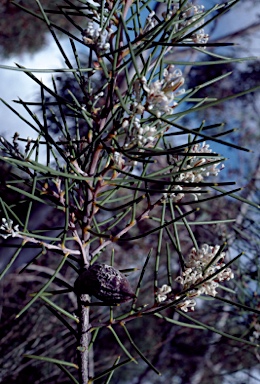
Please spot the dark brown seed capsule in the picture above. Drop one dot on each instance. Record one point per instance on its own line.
(105, 283)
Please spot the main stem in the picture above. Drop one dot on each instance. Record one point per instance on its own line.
(84, 325)
(84, 338)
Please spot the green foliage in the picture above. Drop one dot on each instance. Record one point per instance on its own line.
(128, 184)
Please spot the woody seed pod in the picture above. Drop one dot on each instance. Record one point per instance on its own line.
(105, 283)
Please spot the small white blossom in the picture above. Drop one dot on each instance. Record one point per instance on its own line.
(150, 22)
(8, 229)
(138, 108)
(200, 37)
(118, 159)
(125, 124)
(161, 294)
(255, 338)
(93, 35)
(187, 305)
(99, 95)
(256, 333)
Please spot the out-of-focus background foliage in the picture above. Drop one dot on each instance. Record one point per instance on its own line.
(183, 355)
(20, 33)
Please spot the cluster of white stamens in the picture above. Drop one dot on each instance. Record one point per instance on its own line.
(141, 134)
(194, 170)
(201, 265)
(160, 95)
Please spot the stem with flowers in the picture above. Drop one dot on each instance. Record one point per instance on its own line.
(122, 168)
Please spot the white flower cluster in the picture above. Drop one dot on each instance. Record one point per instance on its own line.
(161, 294)
(93, 35)
(189, 14)
(8, 229)
(157, 97)
(141, 135)
(194, 170)
(174, 196)
(145, 135)
(208, 165)
(202, 264)
(161, 93)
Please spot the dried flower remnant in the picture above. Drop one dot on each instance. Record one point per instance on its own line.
(105, 283)
(202, 264)
(8, 229)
